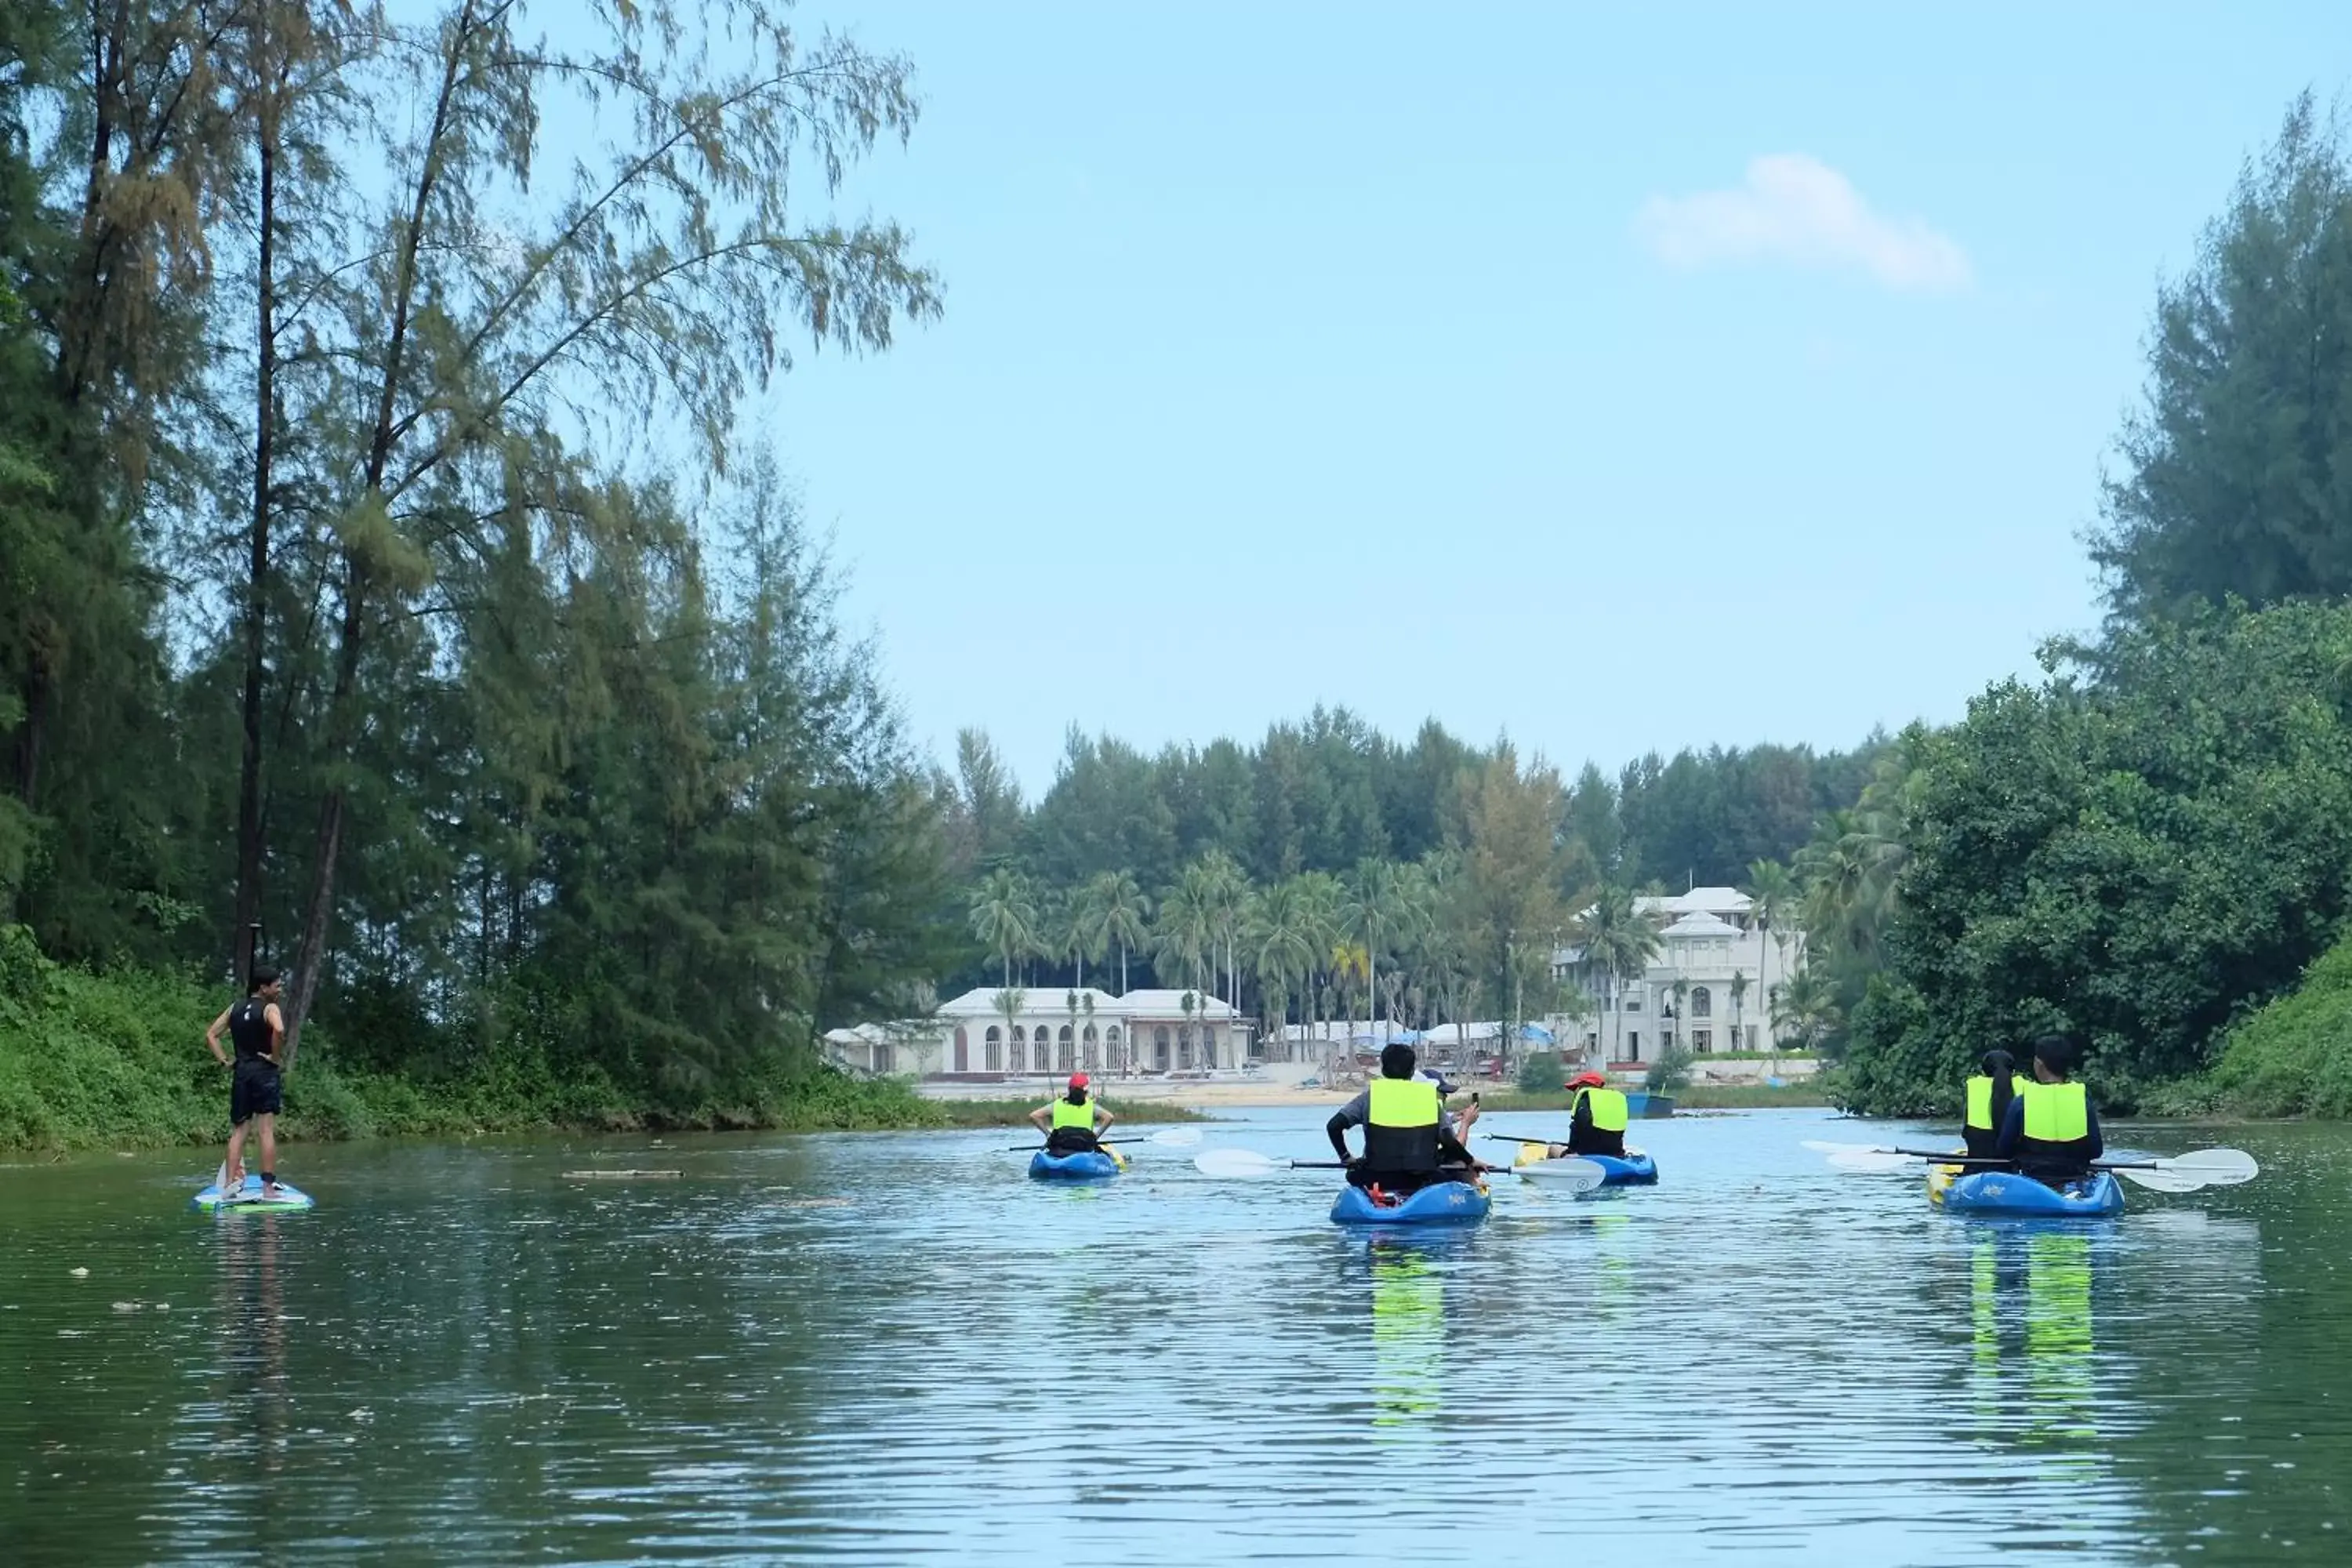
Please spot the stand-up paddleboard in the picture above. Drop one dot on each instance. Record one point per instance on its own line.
(247, 1197)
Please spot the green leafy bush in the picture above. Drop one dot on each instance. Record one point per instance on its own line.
(1542, 1073)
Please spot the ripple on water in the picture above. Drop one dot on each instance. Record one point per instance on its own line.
(892, 1348)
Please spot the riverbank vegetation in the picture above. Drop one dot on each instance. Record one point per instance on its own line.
(2150, 846)
(391, 585)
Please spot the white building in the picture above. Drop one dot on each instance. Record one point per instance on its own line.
(1051, 1033)
(1729, 970)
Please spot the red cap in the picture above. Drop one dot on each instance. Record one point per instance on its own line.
(1588, 1080)
(1077, 1080)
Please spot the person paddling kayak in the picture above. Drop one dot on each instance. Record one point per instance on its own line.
(1987, 1098)
(1408, 1142)
(255, 1027)
(1597, 1118)
(1073, 1120)
(2052, 1131)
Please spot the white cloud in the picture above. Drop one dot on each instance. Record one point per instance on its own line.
(1798, 210)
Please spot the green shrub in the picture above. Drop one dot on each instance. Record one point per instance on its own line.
(1542, 1073)
(2293, 1057)
(1671, 1071)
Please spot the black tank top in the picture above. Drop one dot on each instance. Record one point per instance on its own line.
(248, 1025)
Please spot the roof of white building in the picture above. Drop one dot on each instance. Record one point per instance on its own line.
(1700, 925)
(1052, 1001)
(1699, 901)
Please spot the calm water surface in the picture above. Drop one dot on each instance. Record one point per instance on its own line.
(895, 1348)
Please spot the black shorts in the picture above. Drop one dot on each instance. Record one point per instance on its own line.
(252, 1091)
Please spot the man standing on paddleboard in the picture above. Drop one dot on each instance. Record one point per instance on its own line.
(255, 1026)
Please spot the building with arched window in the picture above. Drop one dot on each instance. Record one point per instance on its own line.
(1051, 1034)
(1709, 985)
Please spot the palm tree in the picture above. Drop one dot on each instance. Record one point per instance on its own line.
(1224, 888)
(1282, 937)
(1773, 905)
(1119, 903)
(1082, 934)
(1004, 916)
(1619, 941)
(1681, 989)
(1375, 912)
(1190, 1000)
(1186, 930)
(1086, 1046)
(1738, 999)
(1009, 1003)
(1806, 1009)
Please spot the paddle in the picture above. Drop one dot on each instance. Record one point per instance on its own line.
(1172, 1137)
(1576, 1176)
(2180, 1174)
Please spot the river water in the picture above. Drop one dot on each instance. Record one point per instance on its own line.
(895, 1348)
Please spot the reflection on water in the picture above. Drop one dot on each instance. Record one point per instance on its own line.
(1408, 1331)
(897, 1349)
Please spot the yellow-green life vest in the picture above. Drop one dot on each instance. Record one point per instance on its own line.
(1606, 1107)
(1980, 1103)
(1068, 1115)
(2056, 1112)
(1401, 1127)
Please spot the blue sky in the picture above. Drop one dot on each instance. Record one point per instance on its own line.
(1623, 379)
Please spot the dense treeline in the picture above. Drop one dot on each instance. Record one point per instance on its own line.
(1330, 873)
(2154, 842)
(382, 566)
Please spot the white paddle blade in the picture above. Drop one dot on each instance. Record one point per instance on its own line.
(220, 1178)
(1875, 1160)
(1176, 1137)
(1236, 1163)
(2161, 1180)
(1567, 1175)
(1819, 1147)
(2214, 1167)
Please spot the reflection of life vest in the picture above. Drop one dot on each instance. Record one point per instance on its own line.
(1401, 1131)
(2059, 1347)
(1408, 1336)
(1080, 1115)
(1606, 1107)
(2057, 1137)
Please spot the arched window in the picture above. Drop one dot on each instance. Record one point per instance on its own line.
(1068, 1064)
(1111, 1057)
(962, 1049)
(1093, 1058)
(1160, 1049)
(1208, 1047)
(1702, 1003)
(995, 1052)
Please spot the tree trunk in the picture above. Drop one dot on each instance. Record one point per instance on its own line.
(257, 604)
(317, 916)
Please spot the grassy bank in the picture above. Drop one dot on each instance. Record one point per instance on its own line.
(118, 1061)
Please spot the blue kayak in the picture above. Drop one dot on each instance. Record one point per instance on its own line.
(1440, 1202)
(1634, 1169)
(2096, 1197)
(1086, 1167)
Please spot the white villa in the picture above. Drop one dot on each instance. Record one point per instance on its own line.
(1053, 1032)
(1729, 970)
